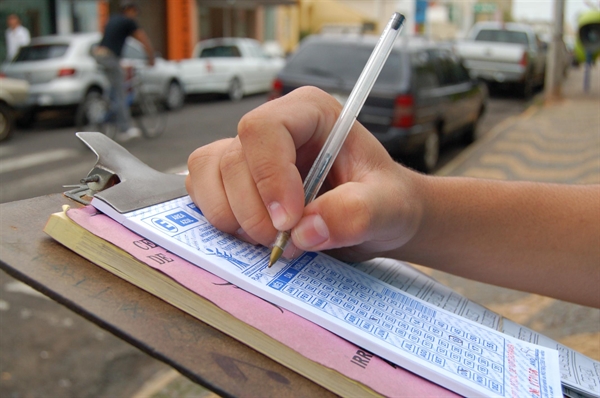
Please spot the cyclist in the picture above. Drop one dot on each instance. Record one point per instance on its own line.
(108, 54)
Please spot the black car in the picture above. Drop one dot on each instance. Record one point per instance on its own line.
(422, 97)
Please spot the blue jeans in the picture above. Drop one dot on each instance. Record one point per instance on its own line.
(117, 96)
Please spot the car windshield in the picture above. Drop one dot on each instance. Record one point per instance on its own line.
(502, 36)
(341, 62)
(41, 52)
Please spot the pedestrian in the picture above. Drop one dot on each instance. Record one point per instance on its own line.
(541, 238)
(17, 36)
(108, 54)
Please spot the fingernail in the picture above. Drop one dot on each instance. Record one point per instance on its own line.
(291, 252)
(311, 231)
(278, 215)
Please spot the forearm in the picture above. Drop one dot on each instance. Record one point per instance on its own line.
(534, 237)
(142, 37)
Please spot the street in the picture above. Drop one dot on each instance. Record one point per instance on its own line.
(42, 159)
(48, 350)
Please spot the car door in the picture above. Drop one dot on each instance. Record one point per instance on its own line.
(455, 91)
(428, 92)
(469, 103)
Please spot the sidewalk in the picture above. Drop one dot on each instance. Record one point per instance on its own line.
(558, 142)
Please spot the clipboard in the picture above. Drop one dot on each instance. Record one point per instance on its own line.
(122, 180)
(341, 299)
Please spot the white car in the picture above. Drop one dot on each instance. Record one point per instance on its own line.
(505, 53)
(13, 93)
(62, 72)
(232, 66)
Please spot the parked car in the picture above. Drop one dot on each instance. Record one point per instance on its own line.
(505, 53)
(423, 95)
(13, 93)
(62, 72)
(232, 66)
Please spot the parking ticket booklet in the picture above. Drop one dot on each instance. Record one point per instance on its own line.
(464, 356)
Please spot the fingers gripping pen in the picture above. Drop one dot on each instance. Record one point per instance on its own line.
(342, 126)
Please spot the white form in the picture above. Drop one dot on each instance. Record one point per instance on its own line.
(578, 372)
(410, 280)
(461, 355)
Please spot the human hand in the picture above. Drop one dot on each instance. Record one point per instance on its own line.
(251, 185)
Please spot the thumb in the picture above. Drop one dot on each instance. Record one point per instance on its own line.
(341, 217)
(372, 216)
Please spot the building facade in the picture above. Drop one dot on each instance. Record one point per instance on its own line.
(39, 16)
(174, 26)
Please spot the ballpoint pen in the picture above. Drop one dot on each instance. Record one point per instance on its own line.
(342, 126)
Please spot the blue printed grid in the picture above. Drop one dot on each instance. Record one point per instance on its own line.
(395, 318)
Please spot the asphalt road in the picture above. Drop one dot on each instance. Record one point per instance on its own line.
(46, 349)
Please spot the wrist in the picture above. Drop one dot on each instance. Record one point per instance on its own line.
(406, 209)
(412, 209)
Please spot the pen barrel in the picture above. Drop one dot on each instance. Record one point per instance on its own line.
(318, 172)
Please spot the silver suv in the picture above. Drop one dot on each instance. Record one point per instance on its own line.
(62, 72)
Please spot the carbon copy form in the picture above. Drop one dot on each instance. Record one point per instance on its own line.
(464, 356)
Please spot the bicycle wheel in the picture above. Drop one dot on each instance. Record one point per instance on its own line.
(92, 115)
(150, 118)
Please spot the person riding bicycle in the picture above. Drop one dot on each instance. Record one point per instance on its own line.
(108, 54)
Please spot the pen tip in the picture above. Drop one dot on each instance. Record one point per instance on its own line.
(275, 255)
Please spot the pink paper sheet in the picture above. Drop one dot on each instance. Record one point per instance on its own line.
(303, 336)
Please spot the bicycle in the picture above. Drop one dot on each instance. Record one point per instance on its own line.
(95, 114)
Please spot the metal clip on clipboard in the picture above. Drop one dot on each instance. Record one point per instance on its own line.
(122, 180)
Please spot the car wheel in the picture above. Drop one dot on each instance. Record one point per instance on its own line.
(428, 156)
(236, 91)
(6, 122)
(92, 113)
(175, 96)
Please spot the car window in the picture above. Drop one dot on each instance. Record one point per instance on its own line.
(424, 71)
(342, 61)
(449, 69)
(444, 67)
(41, 52)
(220, 52)
(459, 73)
(502, 36)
